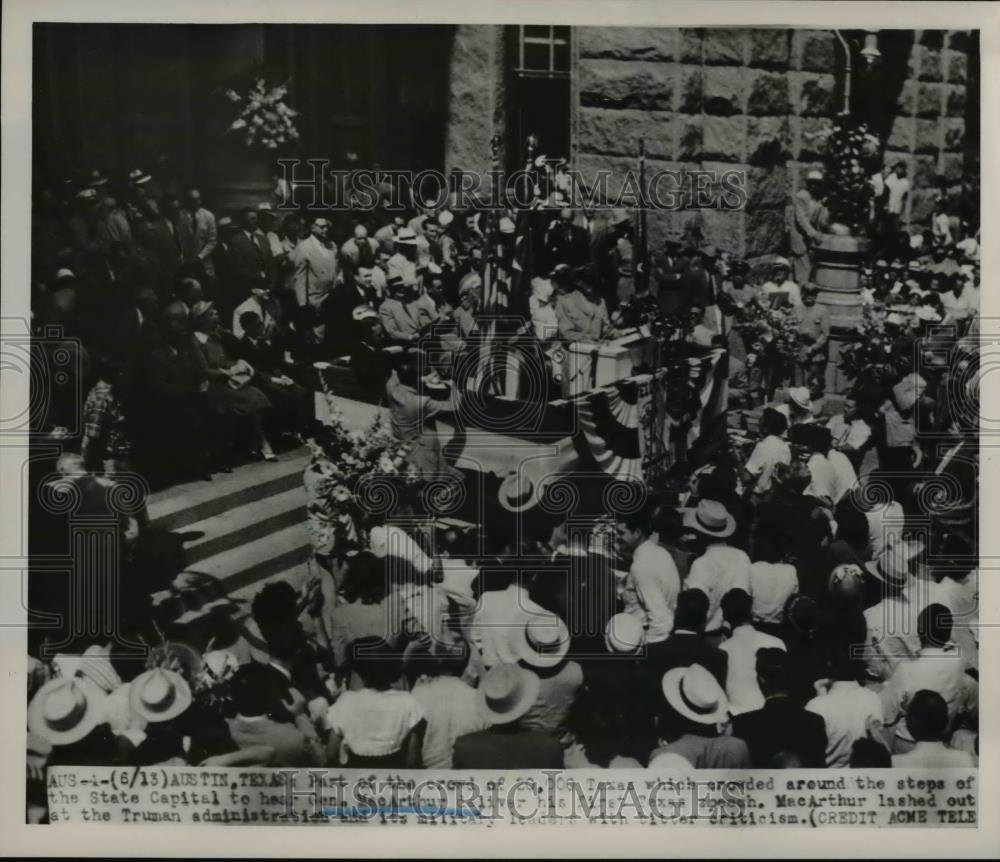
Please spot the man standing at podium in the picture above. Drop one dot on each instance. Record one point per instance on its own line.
(581, 313)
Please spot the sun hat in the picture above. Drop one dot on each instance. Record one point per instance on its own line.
(892, 566)
(507, 692)
(138, 177)
(64, 711)
(87, 194)
(710, 518)
(225, 221)
(265, 207)
(94, 665)
(201, 308)
(406, 236)
(695, 694)
(519, 492)
(799, 396)
(506, 225)
(542, 642)
(363, 312)
(97, 179)
(624, 634)
(159, 695)
(814, 175)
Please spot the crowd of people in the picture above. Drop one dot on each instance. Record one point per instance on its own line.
(806, 599)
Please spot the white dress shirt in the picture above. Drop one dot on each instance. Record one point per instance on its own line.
(651, 588)
(741, 678)
(847, 709)
(716, 572)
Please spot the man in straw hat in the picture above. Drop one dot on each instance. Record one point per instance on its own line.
(542, 644)
(69, 716)
(721, 567)
(695, 710)
(507, 692)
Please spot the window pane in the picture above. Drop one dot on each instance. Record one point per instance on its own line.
(538, 32)
(560, 34)
(561, 58)
(536, 56)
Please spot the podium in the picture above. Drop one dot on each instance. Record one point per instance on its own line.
(590, 366)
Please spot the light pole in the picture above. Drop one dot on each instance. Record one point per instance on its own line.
(870, 52)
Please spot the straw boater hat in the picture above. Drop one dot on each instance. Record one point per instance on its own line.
(892, 566)
(710, 518)
(520, 491)
(406, 236)
(97, 179)
(799, 397)
(363, 312)
(201, 308)
(138, 177)
(507, 692)
(87, 194)
(159, 695)
(624, 634)
(94, 665)
(64, 711)
(695, 694)
(542, 642)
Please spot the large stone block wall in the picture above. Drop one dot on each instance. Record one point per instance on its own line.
(754, 100)
(751, 99)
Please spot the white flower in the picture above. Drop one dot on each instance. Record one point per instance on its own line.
(239, 123)
(385, 465)
(232, 95)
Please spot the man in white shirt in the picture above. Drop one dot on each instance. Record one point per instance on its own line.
(500, 613)
(898, 186)
(314, 261)
(927, 716)
(892, 622)
(845, 477)
(772, 581)
(653, 583)
(938, 667)
(742, 686)
(850, 711)
(721, 567)
(770, 451)
(849, 432)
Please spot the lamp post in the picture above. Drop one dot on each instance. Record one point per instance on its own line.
(869, 52)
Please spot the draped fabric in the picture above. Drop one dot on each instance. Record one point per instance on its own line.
(626, 428)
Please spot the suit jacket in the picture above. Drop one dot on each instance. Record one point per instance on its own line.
(683, 649)
(250, 258)
(806, 220)
(507, 749)
(782, 725)
(160, 241)
(315, 270)
(198, 237)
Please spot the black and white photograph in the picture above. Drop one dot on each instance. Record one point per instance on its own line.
(454, 423)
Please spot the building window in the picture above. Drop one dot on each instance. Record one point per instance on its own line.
(543, 50)
(539, 91)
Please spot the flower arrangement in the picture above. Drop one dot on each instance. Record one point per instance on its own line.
(265, 119)
(872, 356)
(773, 330)
(851, 157)
(353, 474)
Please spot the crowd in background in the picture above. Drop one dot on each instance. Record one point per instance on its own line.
(808, 600)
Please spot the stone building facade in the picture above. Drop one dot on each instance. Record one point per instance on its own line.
(751, 99)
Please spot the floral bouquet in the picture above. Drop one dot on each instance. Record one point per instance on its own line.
(354, 474)
(871, 356)
(850, 154)
(265, 118)
(774, 330)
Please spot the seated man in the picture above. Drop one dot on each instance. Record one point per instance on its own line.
(581, 313)
(406, 312)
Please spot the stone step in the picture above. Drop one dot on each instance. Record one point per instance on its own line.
(183, 505)
(245, 523)
(261, 559)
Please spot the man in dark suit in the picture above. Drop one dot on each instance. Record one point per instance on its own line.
(669, 270)
(249, 252)
(782, 733)
(686, 645)
(508, 692)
